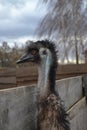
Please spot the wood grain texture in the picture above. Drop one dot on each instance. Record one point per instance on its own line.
(70, 90)
(11, 80)
(25, 75)
(28, 74)
(18, 109)
(78, 115)
(7, 78)
(18, 106)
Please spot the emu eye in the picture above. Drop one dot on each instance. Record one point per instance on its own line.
(34, 52)
(44, 52)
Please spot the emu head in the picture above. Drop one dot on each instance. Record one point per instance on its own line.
(39, 51)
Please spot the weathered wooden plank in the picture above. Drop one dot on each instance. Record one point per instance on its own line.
(7, 72)
(18, 105)
(78, 115)
(18, 109)
(11, 80)
(26, 71)
(73, 68)
(7, 78)
(5, 86)
(29, 78)
(70, 90)
(64, 71)
(26, 75)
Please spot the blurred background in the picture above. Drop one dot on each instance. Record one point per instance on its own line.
(62, 21)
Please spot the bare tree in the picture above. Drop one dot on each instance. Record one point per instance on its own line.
(4, 55)
(65, 19)
(9, 55)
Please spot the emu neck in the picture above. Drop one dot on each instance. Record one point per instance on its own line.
(44, 79)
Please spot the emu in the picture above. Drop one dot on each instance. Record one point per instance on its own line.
(51, 112)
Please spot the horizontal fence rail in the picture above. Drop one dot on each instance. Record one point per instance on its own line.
(28, 75)
(10, 77)
(7, 78)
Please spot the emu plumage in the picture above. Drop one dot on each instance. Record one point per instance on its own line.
(51, 112)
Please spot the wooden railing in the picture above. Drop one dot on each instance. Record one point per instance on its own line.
(12, 77)
(7, 78)
(28, 75)
(18, 106)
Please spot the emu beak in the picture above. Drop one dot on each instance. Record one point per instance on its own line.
(25, 58)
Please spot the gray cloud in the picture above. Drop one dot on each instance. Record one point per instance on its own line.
(18, 18)
(24, 27)
(12, 2)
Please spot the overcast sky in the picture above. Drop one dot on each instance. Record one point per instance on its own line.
(19, 19)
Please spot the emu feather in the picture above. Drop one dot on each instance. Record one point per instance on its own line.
(51, 112)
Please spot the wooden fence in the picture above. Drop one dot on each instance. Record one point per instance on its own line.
(12, 77)
(18, 105)
(28, 75)
(7, 78)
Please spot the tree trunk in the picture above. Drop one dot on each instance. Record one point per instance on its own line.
(64, 39)
(76, 50)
